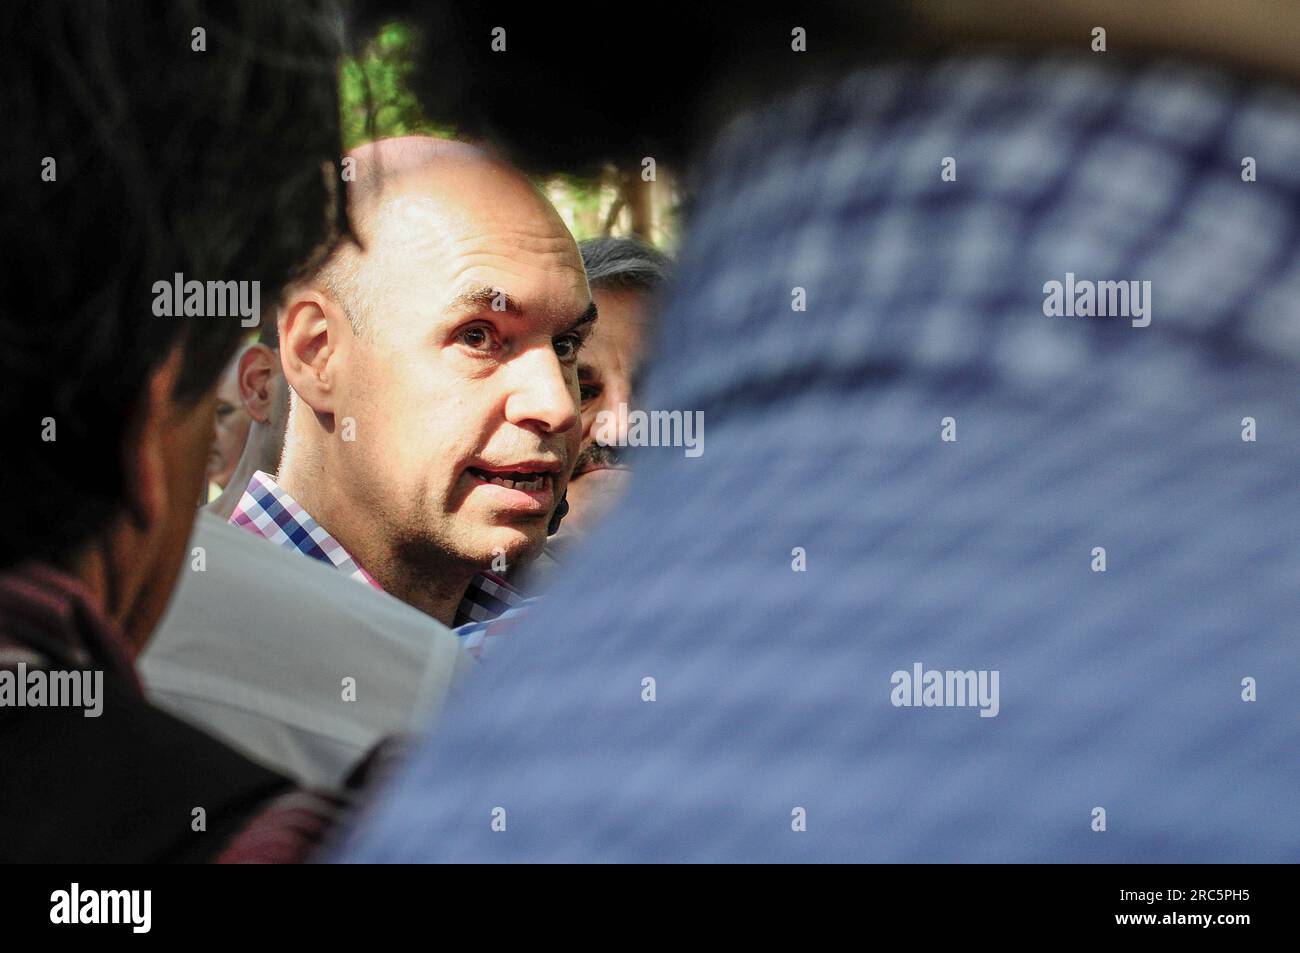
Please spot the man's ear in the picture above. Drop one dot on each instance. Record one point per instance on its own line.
(143, 451)
(311, 329)
(258, 368)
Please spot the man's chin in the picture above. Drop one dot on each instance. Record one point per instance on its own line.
(504, 548)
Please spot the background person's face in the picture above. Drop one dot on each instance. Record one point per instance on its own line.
(606, 368)
(230, 428)
(452, 398)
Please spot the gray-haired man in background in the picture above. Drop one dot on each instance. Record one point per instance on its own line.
(625, 276)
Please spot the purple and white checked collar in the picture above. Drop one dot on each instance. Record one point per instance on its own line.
(267, 510)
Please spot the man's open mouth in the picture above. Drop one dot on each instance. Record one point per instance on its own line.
(530, 482)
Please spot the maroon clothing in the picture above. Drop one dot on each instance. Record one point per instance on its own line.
(131, 783)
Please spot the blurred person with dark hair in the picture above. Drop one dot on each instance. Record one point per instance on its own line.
(183, 143)
(434, 417)
(924, 471)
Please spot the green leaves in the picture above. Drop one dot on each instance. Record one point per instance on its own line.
(375, 101)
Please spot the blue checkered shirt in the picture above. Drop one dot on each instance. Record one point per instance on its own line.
(830, 537)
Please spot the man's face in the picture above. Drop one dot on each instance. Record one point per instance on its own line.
(606, 369)
(463, 383)
(230, 430)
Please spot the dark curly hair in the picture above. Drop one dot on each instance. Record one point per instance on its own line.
(166, 159)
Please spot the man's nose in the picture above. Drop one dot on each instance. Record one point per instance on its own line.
(539, 393)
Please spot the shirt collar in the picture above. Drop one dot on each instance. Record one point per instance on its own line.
(270, 512)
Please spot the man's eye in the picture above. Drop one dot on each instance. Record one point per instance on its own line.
(477, 338)
(588, 392)
(567, 347)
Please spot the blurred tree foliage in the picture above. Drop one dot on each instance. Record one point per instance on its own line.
(376, 103)
(375, 100)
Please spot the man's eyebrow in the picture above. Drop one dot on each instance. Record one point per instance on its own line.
(587, 317)
(477, 299)
(485, 296)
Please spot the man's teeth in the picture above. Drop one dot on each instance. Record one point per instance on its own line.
(516, 481)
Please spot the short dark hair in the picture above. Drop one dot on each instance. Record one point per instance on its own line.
(624, 264)
(132, 155)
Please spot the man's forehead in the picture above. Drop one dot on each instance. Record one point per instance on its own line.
(436, 167)
(620, 338)
(489, 271)
(456, 237)
(479, 200)
(626, 319)
(473, 236)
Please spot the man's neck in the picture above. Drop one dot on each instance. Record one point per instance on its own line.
(419, 590)
(424, 579)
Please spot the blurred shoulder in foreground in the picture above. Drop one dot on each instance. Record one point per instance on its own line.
(291, 664)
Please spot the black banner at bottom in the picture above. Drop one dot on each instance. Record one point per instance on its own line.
(334, 904)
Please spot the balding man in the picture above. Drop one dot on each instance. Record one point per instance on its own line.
(433, 361)
(433, 427)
